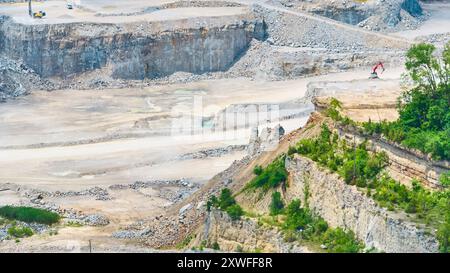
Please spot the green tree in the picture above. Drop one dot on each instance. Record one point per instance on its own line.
(422, 66)
(235, 212)
(297, 218)
(226, 199)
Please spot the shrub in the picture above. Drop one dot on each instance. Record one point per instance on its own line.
(215, 246)
(276, 206)
(443, 235)
(444, 179)
(297, 218)
(271, 176)
(20, 232)
(227, 203)
(235, 212)
(28, 214)
(226, 199)
(339, 241)
(301, 222)
(355, 165)
(257, 170)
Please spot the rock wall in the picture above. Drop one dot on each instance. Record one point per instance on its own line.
(315, 31)
(349, 15)
(345, 206)
(132, 51)
(245, 234)
(404, 164)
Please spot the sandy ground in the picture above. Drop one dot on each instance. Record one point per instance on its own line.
(47, 135)
(74, 140)
(365, 99)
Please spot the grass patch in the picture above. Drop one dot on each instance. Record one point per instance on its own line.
(29, 215)
(183, 244)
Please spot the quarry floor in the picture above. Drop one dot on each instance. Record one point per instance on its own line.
(111, 12)
(71, 140)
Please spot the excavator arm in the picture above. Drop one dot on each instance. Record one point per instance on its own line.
(379, 65)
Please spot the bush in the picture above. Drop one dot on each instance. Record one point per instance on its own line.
(226, 199)
(227, 203)
(235, 212)
(358, 166)
(215, 246)
(276, 206)
(28, 214)
(339, 241)
(443, 235)
(257, 170)
(20, 232)
(313, 228)
(271, 176)
(444, 179)
(297, 218)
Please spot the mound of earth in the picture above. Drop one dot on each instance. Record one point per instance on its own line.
(16, 79)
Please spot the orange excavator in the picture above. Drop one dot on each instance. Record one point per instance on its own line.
(374, 74)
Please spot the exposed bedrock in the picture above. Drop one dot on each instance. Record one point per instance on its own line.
(131, 51)
(346, 206)
(350, 15)
(379, 15)
(315, 31)
(245, 234)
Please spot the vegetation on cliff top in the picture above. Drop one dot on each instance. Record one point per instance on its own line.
(424, 121)
(359, 167)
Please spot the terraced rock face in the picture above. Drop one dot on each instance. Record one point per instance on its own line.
(131, 51)
(345, 206)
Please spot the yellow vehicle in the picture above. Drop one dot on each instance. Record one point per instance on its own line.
(38, 14)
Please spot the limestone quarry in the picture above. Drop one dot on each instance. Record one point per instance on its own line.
(124, 117)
